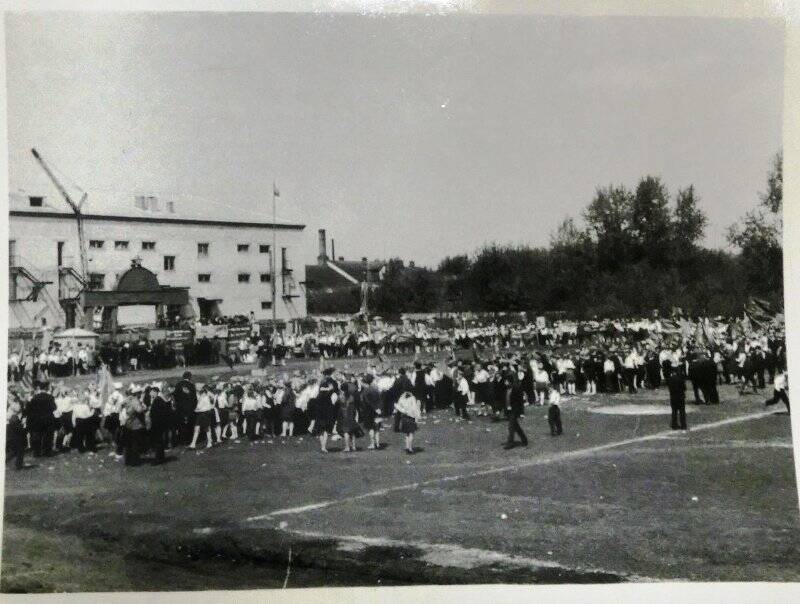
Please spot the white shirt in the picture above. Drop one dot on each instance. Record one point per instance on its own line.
(81, 410)
(203, 403)
(249, 403)
(64, 404)
(114, 403)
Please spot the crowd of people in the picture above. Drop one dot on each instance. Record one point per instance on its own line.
(341, 404)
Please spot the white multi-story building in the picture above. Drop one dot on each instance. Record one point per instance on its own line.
(224, 261)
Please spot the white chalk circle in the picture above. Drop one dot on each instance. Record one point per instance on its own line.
(635, 410)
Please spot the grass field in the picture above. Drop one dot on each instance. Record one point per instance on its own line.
(615, 498)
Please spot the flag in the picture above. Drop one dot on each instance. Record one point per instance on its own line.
(699, 334)
(670, 326)
(759, 312)
(708, 333)
(275, 191)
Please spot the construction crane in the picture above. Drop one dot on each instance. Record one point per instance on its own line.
(76, 208)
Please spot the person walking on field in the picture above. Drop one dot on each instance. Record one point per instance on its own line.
(677, 397)
(779, 392)
(515, 406)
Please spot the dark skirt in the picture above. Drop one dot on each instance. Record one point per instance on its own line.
(323, 425)
(205, 419)
(287, 412)
(111, 423)
(66, 422)
(408, 425)
(367, 418)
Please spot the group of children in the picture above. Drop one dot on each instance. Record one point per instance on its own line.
(336, 404)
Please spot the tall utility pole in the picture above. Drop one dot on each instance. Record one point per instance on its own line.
(274, 251)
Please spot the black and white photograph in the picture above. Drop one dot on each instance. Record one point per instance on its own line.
(337, 299)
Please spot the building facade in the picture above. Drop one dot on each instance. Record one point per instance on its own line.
(225, 264)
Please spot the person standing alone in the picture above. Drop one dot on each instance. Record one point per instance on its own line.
(515, 406)
(677, 397)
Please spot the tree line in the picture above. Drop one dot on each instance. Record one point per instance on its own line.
(634, 251)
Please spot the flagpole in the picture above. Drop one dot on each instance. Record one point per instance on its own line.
(274, 263)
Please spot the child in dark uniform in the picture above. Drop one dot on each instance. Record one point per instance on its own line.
(554, 413)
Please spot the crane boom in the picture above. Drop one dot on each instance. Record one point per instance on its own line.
(76, 208)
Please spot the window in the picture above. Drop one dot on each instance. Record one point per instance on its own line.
(36, 202)
(96, 244)
(202, 250)
(148, 245)
(169, 263)
(266, 305)
(97, 281)
(263, 249)
(265, 278)
(120, 245)
(244, 277)
(204, 278)
(243, 248)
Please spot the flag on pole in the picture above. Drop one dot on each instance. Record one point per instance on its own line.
(275, 190)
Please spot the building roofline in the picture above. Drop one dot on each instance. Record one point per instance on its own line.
(160, 220)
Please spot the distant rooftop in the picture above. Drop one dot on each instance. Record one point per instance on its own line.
(141, 207)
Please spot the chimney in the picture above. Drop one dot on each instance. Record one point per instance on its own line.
(322, 258)
(333, 248)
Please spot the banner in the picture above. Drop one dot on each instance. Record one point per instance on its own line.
(178, 337)
(237, 334)
(156, 335)
(211, 331)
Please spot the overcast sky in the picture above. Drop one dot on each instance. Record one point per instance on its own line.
(406, 136)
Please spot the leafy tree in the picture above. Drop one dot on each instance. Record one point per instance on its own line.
(689, 221)
(759, 237)
(454, 265)
(688, 226)
(650, 222)
(608, 219)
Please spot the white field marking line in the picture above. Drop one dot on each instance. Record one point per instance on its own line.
(288, 569)
(456, 556)
(568, 455)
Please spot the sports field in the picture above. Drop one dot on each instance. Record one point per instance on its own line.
(615, 498)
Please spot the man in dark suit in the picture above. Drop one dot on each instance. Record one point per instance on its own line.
(677, 397)
(185, 403)
(515, 407)
(40, 420)
(707, 371)
(160, 423)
